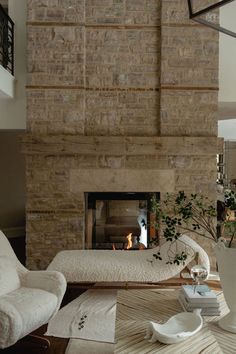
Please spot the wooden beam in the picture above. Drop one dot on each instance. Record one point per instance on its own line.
(116, 145)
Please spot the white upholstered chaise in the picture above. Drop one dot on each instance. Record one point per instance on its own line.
(82, 266)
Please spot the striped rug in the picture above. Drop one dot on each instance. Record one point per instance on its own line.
(136, 308)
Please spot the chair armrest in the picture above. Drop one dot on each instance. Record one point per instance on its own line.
(10, 324)
(51, 281)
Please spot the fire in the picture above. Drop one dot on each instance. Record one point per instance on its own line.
(129, 239)
(129, 243)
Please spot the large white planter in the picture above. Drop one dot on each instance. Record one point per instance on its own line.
(226, 259)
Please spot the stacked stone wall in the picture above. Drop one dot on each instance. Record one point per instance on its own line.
(121, 96)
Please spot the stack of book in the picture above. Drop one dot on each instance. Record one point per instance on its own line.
(200, 296)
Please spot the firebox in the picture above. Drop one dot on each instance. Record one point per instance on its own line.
(116, 220)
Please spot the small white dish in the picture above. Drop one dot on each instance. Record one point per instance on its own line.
(176, 329)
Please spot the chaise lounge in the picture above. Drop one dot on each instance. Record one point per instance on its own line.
(93, 266)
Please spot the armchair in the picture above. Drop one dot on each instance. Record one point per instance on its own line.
(28, 299)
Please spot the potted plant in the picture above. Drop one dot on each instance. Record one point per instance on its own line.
(195, 214)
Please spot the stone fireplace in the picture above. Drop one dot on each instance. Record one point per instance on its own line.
(121, 97)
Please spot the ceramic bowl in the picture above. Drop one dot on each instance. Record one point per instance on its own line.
(176, 329)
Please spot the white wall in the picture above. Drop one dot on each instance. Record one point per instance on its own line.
(13, 111)
(7, 84)
(227, 78)
(227, 129)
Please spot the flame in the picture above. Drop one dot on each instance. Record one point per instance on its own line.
(113, 247)
(129, 239)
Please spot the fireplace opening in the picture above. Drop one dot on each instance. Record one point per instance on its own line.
(118, 220)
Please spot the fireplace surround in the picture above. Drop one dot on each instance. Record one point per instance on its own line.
(61, 169)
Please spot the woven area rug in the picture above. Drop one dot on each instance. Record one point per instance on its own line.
(90, 317)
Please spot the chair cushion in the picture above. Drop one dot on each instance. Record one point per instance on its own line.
(33, 306)
(9, 279)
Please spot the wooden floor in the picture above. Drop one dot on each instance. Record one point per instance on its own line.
(26, 346)
(58, 345)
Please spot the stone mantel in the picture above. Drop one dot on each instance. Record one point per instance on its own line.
(114, 145)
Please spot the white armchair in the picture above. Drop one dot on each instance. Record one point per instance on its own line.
(28, 299)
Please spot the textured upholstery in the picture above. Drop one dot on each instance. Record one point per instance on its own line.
(29, 302)
(119, 266)
(9, 280)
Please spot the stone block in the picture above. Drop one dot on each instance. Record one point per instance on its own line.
(122, 113)
(200, 163)
(56, 111)
(56, 11)
(160, 162)
(55, 55)
(123, 12)
(111, 161)
(122, 180)
(188, 113)
(114, 58)
(46, 234)
(189, 56)
(179, 162)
